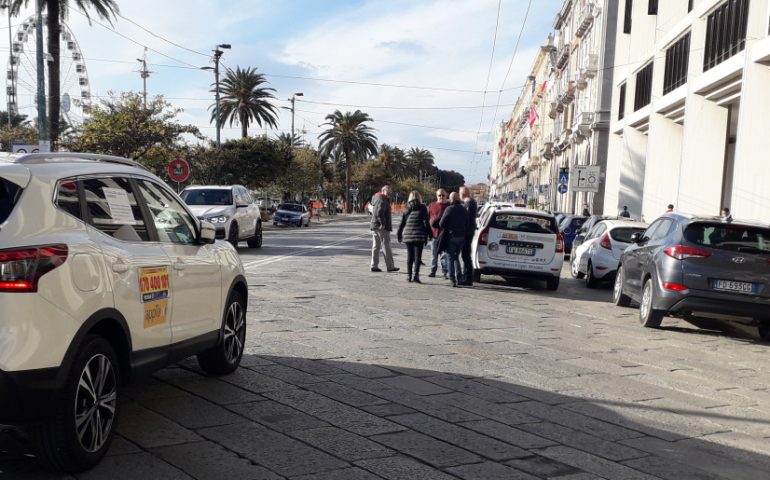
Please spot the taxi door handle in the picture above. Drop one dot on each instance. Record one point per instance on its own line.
(179, 266)
(119, 267)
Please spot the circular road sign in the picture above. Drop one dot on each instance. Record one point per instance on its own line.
(178, 170)
(562, 188)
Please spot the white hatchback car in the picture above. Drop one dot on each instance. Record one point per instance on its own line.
(518, 242)
(105, 275)
(598, 257)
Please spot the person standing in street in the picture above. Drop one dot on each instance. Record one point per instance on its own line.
(455, 222)
(670, 208)
(435, 211)
(381, 225)
(414, 231)
(625, 213)
(726, 216)
(585, 212)
(471, 207)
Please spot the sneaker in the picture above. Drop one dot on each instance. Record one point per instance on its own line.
(432, 274)
(375, 269)
(394, 269)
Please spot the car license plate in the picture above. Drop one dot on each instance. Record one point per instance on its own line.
(530, 252)
(732, 286)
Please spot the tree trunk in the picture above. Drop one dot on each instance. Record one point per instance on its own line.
(54, 91)
(244, 128)
(348, 202)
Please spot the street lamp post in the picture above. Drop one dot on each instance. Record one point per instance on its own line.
(217, 54)
(297, 94)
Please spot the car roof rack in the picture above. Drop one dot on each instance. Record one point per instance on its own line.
(58, 156)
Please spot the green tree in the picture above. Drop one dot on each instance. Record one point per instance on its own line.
(57, 11)
(350, 136)
(394, 161)
(243, 99)
(302, 174)
(420, 162)
(17, 120)
(288, 139)
(450, 180)
(121, 125)
(254, 162)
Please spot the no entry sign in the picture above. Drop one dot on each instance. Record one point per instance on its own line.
(178, 170)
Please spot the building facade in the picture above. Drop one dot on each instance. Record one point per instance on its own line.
(691, 95)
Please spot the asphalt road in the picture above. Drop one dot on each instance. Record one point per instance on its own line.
(355, 375)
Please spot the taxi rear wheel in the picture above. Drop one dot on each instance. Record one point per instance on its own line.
(226, 356)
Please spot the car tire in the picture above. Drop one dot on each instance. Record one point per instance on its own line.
(591, 281)
(233, 236)
(225, 356)
(573, 268)
(64, 444)
(308, 223)
(648, 316)
(256, 240)
(763, 328)
(476, 276)
(618, 297)
(552, 283)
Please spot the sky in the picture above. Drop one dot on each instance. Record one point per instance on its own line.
(422, 69)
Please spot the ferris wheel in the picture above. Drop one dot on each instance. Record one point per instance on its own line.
(21, 82)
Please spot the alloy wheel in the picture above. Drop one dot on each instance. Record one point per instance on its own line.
(646, 303)
(95, 403)
(234, 332)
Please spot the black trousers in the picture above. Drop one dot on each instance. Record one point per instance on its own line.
(413, 257)
(467, 275)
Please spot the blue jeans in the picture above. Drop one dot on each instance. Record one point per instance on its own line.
(453, 252)
(436, 257)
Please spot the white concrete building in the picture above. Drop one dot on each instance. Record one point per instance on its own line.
(691, 102)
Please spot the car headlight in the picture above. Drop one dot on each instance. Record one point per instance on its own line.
(219, 219)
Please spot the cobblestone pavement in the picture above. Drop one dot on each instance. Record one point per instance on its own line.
(356, 375)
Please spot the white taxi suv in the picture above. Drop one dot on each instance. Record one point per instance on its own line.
(518, 242)
(105, 275)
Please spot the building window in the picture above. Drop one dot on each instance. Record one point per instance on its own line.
(627, 16)
(677, 58)
(643, 94)
(622, 102)
(689, 5)
(725, 32)
(652, 7)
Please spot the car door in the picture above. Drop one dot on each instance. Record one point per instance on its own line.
(244, 212)
(590, 244)
(138, 268)
(196, 276)
(632, 261)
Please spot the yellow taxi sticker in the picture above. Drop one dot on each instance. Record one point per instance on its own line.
(510, 236)
(154, 290)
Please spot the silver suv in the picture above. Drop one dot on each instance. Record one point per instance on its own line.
(105, 275)
(230, 209)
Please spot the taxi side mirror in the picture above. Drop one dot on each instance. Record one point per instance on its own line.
(207, 234)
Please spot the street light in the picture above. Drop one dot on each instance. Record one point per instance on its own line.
(297, 94)
(217, 53)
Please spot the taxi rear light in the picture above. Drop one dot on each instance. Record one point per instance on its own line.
(484, 236)
(559, 243)
(680, 252)
(21, 268)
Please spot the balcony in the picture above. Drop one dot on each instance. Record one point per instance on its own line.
(569, 95)
(553, 112)
(582, 125)
(523, 145)
(590, 65)
(590, 11)
(546, 151)
(562, 56)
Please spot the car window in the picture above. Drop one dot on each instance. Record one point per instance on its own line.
(662, 231)
(523, 223)
(651, 230)
(9, 194)
(598, 230)
(735, 238)
(247, 197)
(208, 196)
(171, 220)
(290, 207)
(623, 234)
(67, 198)
(112, 208)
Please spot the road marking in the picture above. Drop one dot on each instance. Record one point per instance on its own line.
(267, 261)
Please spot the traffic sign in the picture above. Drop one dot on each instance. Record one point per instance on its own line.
(586, 178)
(562, 188)
(353, 192)
(563, 178)
(178, 170)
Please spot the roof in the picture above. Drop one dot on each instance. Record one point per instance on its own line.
(198, 187)
(623, 223)
(56, 165)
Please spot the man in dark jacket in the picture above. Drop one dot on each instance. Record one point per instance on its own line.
(472, 208)
(381, 226)
(435, 211)
(455, 222)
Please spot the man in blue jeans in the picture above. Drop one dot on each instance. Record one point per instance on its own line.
(455, 222)
(435, 211)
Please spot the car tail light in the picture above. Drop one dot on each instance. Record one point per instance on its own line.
(21, 268)
(559, 243)
(483, 236)
(680, 252)
(605, 241)
(674, 286)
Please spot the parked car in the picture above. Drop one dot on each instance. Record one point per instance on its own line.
(481, 212)
(586, 227)
(597, 258)
(685, 265)
(292, 214)
(516, 242)
(568, 228)
(230, 209)
(105, 275)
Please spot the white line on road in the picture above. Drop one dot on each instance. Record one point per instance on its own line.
(267, 261)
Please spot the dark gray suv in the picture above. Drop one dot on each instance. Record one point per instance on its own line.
(684, 265)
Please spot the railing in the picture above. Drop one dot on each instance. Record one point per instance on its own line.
(643, 93)
(677, 59)
(725, 32)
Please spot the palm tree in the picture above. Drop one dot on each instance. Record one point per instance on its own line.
(57, 11)
(420, 162)
(244, 99)
(394, 161)
(289, 140)
(349, 136)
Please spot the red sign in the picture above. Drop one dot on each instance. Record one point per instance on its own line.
(178, 170)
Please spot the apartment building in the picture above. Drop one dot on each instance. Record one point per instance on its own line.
(690, 106)
(562, 116)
